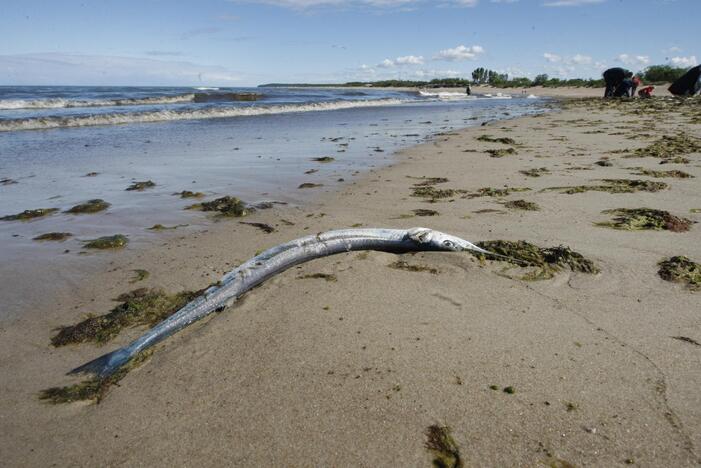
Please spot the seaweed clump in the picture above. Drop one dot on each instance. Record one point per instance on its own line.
(53, 236)
(522, 205)
(142, 306)
(402, 265)
(544, 262)
(95, 388)
(501, 152)
(225, 206)
(26, 215)
(496, 192)
(331, 278)
(432, 193)
(670, 147)
(91, 206)
(324, 159)
(441, 444)
(659, 174)
(140, 186)
(616, 186)
(190, 194)
(681, 269)
(107, 242)
(425, 212)
(535, 172)
(491, 139)
(646, 219)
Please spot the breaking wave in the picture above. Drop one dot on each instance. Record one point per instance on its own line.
(41, 123)
(60, 103)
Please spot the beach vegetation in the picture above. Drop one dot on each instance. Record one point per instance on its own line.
(645, 219)
(53, 236)
(95, 388)
(91, 206)
(140, 186)
(681, 269)
(432, 193)
(443, 447)
(615, 186)
(27, 215)
(116, 241)
(522, 205)
(139, 307)
(543, 263)
(669, 147)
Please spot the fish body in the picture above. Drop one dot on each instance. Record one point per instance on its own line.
(269, 263)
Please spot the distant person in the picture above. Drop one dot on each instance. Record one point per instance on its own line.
(468, 91)
(646, 92)
(636, 83)
(625, 87)
(688, 84)
(613, 78)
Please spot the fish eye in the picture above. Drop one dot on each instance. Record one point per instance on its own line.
(447, 243)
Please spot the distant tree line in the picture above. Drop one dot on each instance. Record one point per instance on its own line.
(483, 76)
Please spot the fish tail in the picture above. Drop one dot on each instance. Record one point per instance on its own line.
(104, 365)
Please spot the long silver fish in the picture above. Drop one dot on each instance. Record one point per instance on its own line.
(271, 262)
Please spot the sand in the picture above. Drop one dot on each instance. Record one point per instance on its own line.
(307, 372)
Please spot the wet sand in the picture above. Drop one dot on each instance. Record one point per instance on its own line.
(352, 372)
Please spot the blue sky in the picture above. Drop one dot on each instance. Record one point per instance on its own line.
(240, 43)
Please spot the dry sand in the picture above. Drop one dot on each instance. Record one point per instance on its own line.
(307, 372)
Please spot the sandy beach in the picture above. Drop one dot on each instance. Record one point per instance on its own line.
(352, 368)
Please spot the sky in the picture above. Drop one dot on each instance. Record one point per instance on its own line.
(246, 43)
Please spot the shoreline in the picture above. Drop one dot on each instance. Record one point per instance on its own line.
(361, 366)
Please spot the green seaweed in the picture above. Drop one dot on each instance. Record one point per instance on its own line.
(522, 205)
(325, 276)
(93, 389)
(660, 174)
(190, 194)
(443, 447)
(140, 186)
(432, 193)
(116, 241)
(509, 390)
(402, 265)
(615, 186)
(425, 212)
(53, 236)
(645, 219)
(27, 215)
(91, 206)
(142, 306)
(501, 152)
(681, 269)
(139, 275)
(535, 172)
(425, 181)
(491, 139)
(496, 192)
(225, 206)
(544, 263)
(669, 147)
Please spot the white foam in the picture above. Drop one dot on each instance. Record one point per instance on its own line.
(56, 103)
(41, 123)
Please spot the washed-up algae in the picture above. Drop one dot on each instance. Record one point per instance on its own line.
(669, 147)
(425, 212)
(443, 447)
(676, 174)
(27, 215)
(91, 206)
(142, 306)
(544, 263)
(402, 265)
(325, 276)
(190, 194)
(107, 242)
(266, 228)
(432, 193)
(615, 186)
(93, 389)
(501, 152)
(53, 236)
(430, 181)
(522, 205)
(227, 206)
(535, 172)
(645, 219)
(139, 275)
(324, 159)
(496, 192)
(681, 269)
(491, 139)
(140, 186)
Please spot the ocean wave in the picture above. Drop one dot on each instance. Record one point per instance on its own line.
(41, 123)
(446, 96)
(60, 103)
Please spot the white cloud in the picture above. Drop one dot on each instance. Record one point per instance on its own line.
(684, 61)
(76, 69)
(409, 60)
(552, 58)
(386, 63)
(460, 53)
(638, 60)
(571, 3)
(307, 4)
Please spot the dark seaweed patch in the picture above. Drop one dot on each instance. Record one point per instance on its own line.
(522, 205)
(443, 447)
(139, 186)
(26, 215)
(53, 236)
(107, 242)
(640, 219)
(681, 269)
(91, 206)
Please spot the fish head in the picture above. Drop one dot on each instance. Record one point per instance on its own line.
(437, 240)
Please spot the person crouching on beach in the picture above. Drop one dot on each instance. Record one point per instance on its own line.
(613, 78)
(636, 82)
